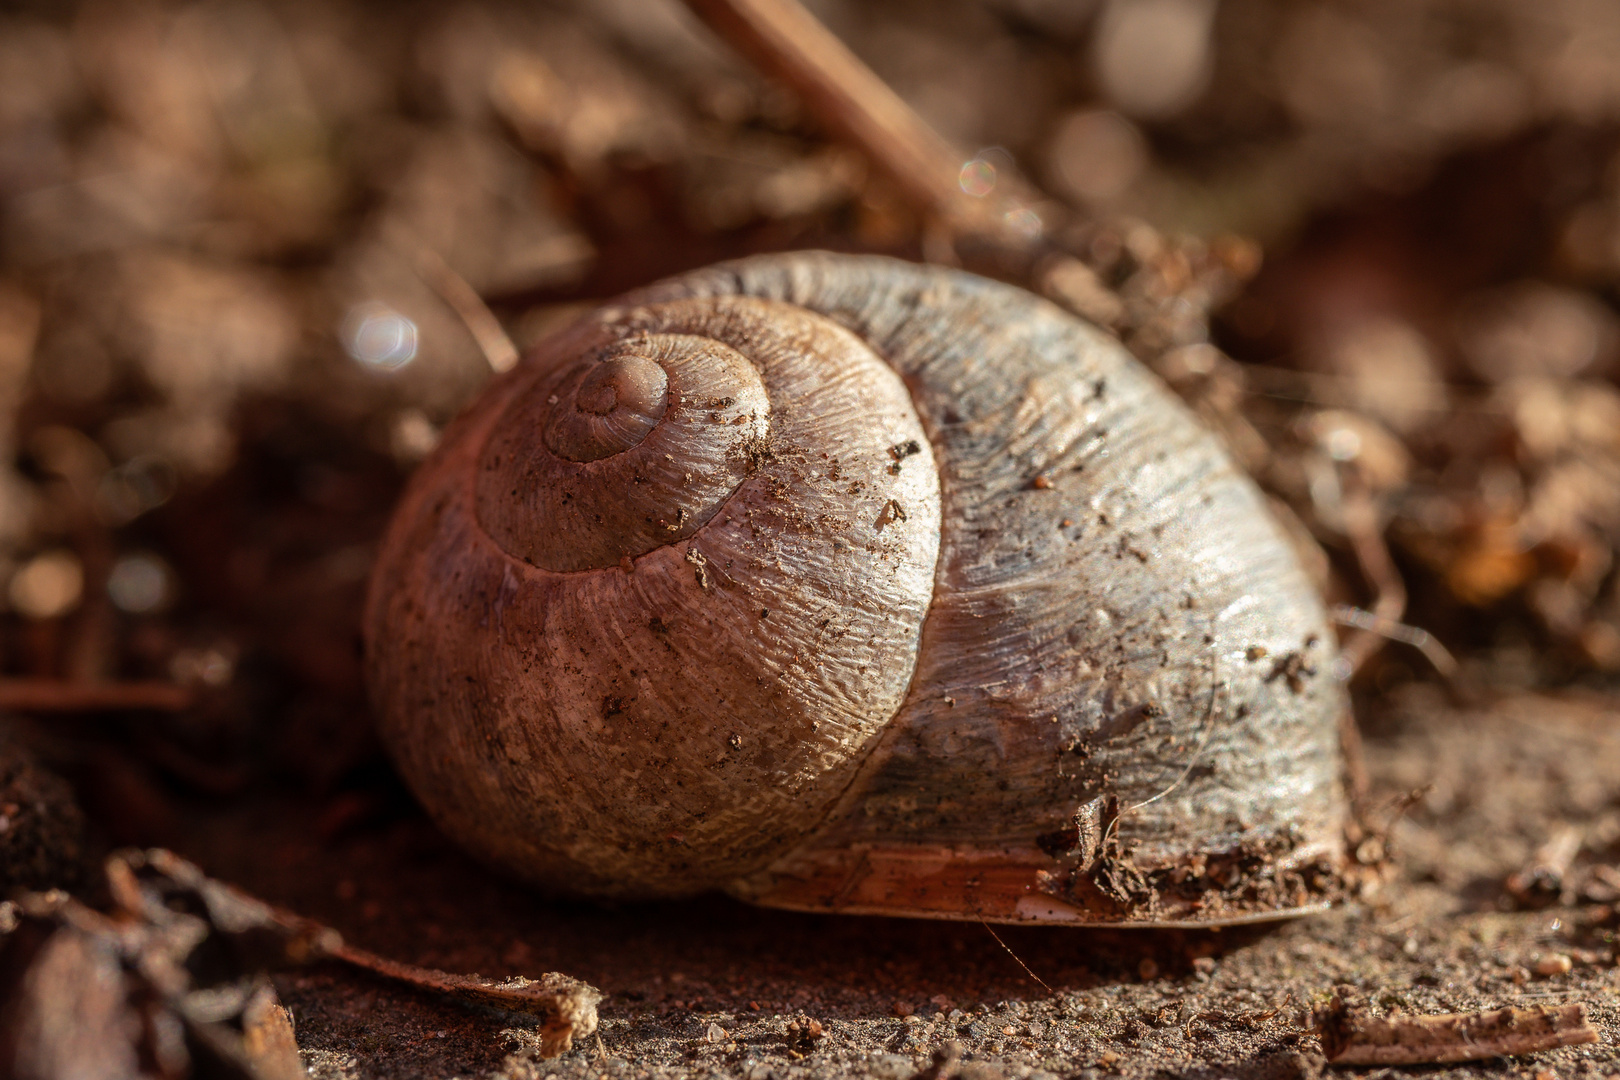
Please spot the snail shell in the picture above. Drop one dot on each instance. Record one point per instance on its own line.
(841, 583)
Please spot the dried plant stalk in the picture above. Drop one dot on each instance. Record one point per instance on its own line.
(565, 1007)
(1352, 1037)
(786, 41)
(499, 351)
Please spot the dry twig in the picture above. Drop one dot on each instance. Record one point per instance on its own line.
(463, 299)
(787, 42)
(1541, 881)
(565, 1007)
(1365, 531)
(1016, 958)
(59, 696)
(1421, 640)
(1351, 1036)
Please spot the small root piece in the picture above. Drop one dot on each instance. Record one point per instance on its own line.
(565, 1007)
(1016, 958)
(1351, 1036)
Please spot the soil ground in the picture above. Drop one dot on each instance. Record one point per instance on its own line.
(1375, 243)
(709, 987)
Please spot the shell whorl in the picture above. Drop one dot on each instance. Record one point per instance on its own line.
(611, 406)
(748, 578)
(693, 579)
(623, 452)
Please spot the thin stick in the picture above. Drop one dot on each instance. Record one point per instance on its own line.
(564, 1006)
(58, 696)
(1545, 873)
(1352, 1037)
(785, 40)
(1366, 536)
(1421, 640)
(464, 300)
(1038, 980)
(1327, 389)
(1360, 517)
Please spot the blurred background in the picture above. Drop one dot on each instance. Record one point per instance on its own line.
(1376, 243)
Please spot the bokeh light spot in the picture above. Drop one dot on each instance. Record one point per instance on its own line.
(379, 337)
(140, 584)
(977, 178)
(47, 586)
(1024, 221)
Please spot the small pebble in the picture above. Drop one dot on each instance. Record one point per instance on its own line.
(1555, 964)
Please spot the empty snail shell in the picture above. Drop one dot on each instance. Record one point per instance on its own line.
(840, 583)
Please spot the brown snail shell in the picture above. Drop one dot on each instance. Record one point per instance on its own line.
(840, 583)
